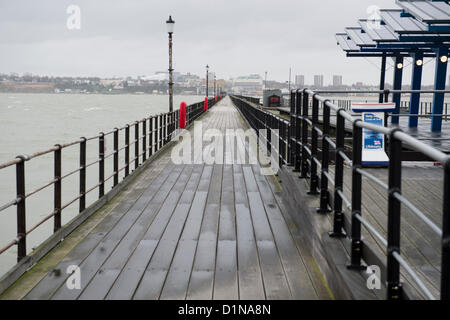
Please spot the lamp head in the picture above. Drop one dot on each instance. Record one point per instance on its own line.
(170, 25)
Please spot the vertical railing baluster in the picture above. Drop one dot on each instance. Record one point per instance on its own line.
(144, 140)
(269, 133)
(394, 287)
(297, 130)
(101, 165)
(57, 189)
(82, 174)
(127, 150)
(291, 159)
(150, 137)
(445, 265)
(304, 169)
(21, 211)
(136, 145)
(356, 245)
(165, 129)
(116, 157)
(160, 128)
(338, 218)
(325, 159)
(314, 137)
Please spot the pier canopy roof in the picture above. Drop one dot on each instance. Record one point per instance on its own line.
(430, 12)
(399, 32)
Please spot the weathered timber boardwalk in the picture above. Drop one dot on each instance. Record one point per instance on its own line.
(420, 245)
(190, 231)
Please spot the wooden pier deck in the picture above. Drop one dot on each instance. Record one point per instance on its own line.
(422, 185)
(185, 231)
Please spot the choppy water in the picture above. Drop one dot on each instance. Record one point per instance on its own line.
(34, 122)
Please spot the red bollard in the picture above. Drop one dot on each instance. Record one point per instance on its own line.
(206, 103)
(182, 115)
(216, 97)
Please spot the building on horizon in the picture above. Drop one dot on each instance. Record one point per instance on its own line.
(251, 84)
(318, 81)
(337, 81)
(300, 81)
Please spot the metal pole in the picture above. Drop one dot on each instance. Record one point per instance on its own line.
(382, 77)
(101, 165)
(439, 84)
(21, 216)
(116, 157)
(170, 74)
(356, 246)
(127, 150)
(207, 71)
(57, 189)
(394, 288)
(416, 83)
(396, 97)
(82, 174)
(314, 137)
(338, 221)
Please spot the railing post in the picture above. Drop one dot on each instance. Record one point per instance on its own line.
(156, 128)
(57, 189)
(144, 140)
(338, 219)
(325, 160)
(297, 131)
(304, 170)
(160, 131)
(82, 174)
(21, 211)
(291, 158)
(356, 246)
(269, 132)
(150, 137)
(116, 157)
(127, 150)
(101, 165)
(394, 287)
(445, 266)
(314, 137)
(136, 145)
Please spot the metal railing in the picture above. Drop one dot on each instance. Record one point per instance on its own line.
(299, 147)
(147, 142)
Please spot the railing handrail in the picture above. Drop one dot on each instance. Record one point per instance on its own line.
(302, 153)
(161, 130)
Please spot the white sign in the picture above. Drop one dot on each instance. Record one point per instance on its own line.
(373, 153)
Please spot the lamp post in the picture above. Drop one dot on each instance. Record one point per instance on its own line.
(207, 71)
(214, 84)
(170, 26)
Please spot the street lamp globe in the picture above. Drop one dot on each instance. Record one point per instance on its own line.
(170, 25)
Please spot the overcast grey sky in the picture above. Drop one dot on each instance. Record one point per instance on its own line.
(128, 37)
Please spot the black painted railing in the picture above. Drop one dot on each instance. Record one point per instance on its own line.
(299, 140)
(150, 135)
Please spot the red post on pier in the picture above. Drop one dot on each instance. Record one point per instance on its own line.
(206, 103)
(216, 97)
(182, 115)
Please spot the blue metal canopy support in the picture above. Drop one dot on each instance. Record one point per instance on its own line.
(416, 84)
(398, 75)
(439, 84)
(382, 77)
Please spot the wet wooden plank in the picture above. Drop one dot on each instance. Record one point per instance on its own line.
(50, 284)
(201, 283)
(249, 271)
(296, 274)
